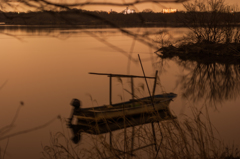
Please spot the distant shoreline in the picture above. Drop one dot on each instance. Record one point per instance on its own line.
(36, 26)
(88, 19)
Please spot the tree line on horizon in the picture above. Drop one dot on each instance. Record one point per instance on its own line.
(85, 17)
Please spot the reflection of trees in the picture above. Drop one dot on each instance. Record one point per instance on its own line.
(61, 33)
(213, 82)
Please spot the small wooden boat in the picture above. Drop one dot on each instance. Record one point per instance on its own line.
(101, 119)
(130, 108)
(98, 120)
(108, 118)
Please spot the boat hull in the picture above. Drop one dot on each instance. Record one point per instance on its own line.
(103, 119)
(110, 125)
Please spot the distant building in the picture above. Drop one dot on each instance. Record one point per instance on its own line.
(169, 10)
(128, 11)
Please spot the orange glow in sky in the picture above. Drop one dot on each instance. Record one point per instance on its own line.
(156, 7)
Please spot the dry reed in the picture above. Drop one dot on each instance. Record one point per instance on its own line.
(192, 137)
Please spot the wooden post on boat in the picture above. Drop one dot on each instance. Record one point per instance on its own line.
(151, 96)
(132, 143)
(153, 129)
(110, 89)
(125, 135)
(154, 137)
(110, 103)
(146, 82)
(132, 88)
(155, 83)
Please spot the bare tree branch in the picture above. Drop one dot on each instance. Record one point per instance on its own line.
(28, 130)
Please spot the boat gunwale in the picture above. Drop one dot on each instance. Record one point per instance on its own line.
(112, 109)
(166, 97)
(98, 119)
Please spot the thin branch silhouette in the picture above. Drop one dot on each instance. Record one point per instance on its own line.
(28, 130)
(3, 84)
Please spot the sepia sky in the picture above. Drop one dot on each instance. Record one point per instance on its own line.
(156, 7)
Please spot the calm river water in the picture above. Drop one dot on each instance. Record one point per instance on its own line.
(46, 68)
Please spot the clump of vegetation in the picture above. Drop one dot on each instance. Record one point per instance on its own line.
(205, 50)
(213, 31)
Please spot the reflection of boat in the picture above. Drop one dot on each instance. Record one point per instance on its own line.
(109, 118)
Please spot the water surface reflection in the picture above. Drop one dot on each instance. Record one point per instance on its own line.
(212, 82)
(46, 73)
